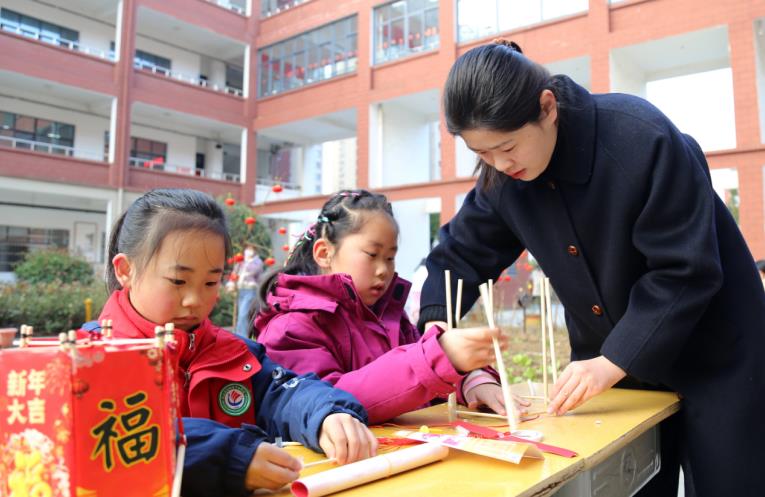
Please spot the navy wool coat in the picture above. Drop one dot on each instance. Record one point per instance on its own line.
(650, 266)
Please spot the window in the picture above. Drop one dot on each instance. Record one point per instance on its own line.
(323, 53)
(234, 77)
(148, 153)
(16, 241)
(271, 7)
(38, 130)
(146, 60)
(38, 29)
(405, 27)
(232, 159)
(481, 18)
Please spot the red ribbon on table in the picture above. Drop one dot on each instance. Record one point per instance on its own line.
(485, 432)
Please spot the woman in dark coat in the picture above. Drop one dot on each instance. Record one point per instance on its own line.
(617, 207)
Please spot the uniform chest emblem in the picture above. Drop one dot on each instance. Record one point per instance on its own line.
(234, 399)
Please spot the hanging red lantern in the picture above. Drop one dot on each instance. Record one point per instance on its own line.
(508, 278)
(528, 267)
(270, 261)
(286, 247)
(277, 188)
(282, 230)
(230, 261)
(233, 277)
(238, 258)
(249, 220)
(230, 201)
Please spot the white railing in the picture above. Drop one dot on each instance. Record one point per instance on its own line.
(183, 170)
(230, 6)
(163, 71)
(48, 148)
(75, 46)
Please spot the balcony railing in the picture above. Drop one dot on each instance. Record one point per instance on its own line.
(183, 170)
(49, 148)
(230, 6)
(163, 71)
(75, 46)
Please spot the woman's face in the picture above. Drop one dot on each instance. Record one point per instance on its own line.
(522, 154)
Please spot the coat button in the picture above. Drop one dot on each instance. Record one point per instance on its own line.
(572, 250)
(247, 367)
(597, 310)
(551, 185)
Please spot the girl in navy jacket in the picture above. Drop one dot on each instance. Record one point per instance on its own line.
(166, 260)
(617, 207)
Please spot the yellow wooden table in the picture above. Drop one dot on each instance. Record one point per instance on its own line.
(597, 431)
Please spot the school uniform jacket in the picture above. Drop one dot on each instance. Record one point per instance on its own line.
(233, 397)
(649, 264)
(319, 324)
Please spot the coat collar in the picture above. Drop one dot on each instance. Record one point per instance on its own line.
(572, 159)
(195, 355)
(327, 292)
(574, 153)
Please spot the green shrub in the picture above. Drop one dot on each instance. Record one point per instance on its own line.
(222, 314)
(46, 266)
(50, 307)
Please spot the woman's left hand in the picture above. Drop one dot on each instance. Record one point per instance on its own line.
(581, 381)
(346, 438)
(490, 395)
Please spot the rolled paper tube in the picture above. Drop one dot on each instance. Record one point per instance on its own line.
(374, 468)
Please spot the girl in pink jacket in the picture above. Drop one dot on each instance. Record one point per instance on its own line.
(337, 309)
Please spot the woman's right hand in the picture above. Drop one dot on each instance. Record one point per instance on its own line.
(470, 348)
(271, 468)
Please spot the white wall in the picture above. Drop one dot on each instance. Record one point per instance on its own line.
(93, 34)
(181, 149)
(685, 100)
(182, 62)
(759, 47)
(465, 158)
(413, 218)
(89, 128)
(406, 147)
(625, 77)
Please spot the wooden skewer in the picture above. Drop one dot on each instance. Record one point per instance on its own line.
(512, 413)
(448, 283)
(317, 463)
(542, 321)
(458, 309)
(482, 414)
(553, 360)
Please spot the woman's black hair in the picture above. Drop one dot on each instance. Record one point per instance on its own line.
(139, 232)
(343, 214)
(495, 87)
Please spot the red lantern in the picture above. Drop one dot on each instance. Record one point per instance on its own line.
(230, 260)
(282, 230)
(277, 188)
(270, 261)
(286, 247)
(508, 278)
(249, 220)
(238, 258)
(233, 277)
(528, 267)
(230, 201)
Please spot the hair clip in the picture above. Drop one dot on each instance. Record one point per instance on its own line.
(322, 219)
(353, 193)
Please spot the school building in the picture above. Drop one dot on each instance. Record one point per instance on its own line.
(280, 102)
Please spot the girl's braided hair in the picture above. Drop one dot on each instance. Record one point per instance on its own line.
(343, 214)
